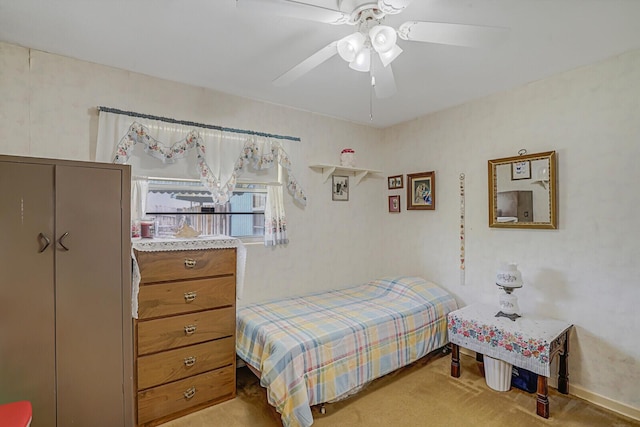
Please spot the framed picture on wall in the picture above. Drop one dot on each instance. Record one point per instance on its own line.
(340, 188)
(421, 191)
(394, 204)
(394, 182)
(521, 170)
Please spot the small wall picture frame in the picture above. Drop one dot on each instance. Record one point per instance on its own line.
(394, 204)
(521, 170)
(340, 188)
(421, 191)
(395, 182)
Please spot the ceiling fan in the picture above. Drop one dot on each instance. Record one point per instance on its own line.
(372, 47)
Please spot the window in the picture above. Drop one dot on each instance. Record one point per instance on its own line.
(174, 202)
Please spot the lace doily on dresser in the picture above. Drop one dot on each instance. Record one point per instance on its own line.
(175, 244)
(169, 244)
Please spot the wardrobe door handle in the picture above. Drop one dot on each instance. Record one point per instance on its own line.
(189, 329)
(61, 239)
(47, 242)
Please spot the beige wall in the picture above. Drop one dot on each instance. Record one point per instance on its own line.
(585, 272)
(48, 109)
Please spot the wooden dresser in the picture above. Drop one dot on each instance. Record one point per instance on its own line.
(185, 332)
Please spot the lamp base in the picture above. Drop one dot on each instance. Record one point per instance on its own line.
(509, 302)
(512, 316)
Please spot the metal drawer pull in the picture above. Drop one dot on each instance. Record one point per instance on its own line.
(189, 361)
(189, 262)
(189, 329)
(190, 393)
(190, 296)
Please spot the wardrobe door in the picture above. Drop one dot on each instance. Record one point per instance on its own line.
(27, 322)
(89, 299)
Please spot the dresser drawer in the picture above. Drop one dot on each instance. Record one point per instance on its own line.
(178, 265)
(170, 398)
(187, 329)
(169, 298)
(184, 362)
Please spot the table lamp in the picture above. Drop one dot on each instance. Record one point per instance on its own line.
(509, 278)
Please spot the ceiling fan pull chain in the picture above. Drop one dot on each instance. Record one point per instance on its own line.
(371, 105)
(371, 89)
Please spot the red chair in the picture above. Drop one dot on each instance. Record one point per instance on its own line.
(16, 414)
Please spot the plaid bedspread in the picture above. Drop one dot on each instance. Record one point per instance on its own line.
(321, 347)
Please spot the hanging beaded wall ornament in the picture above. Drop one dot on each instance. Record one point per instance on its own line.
(462, 267)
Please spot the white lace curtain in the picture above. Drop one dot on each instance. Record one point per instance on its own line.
(216, 158)
(139, 190)
(275, 219)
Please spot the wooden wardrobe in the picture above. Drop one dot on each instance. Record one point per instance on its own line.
(65, 291)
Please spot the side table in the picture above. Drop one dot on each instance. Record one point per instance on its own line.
(529, 342)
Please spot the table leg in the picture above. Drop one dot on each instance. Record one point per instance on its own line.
(542, 402)
(455, 360)
(480, 360)
(563, 367)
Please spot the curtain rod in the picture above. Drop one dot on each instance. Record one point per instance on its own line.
(187, 123)
(160, 178)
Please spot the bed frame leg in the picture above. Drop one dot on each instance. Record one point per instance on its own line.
(322, 409)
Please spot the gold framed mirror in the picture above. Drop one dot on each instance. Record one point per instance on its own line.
(522, 191)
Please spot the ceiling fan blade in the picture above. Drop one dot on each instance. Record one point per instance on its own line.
(383, 81)
(391, 7)
(308, 64)
(295, 9)
(451, 34)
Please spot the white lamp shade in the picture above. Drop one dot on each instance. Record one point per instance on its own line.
(390, 55)
(362, 62)
(349, 46)
(383, 38)
(508, 276)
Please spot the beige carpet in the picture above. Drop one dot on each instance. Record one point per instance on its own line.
(422, 394)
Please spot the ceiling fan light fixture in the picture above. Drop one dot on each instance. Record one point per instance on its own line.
(388, 57)
(405, 29)
(362, 62)
(350, 46)
(391, 7)
(383, 38)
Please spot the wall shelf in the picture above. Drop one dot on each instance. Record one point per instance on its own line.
(543, 182)
(358, 173)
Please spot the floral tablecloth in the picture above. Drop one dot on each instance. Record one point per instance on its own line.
(526, 342)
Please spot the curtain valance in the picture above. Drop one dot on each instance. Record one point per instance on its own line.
(216, 157)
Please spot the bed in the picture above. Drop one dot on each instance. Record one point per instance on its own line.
(326, 346)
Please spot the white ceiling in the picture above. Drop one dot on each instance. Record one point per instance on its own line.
(213, 44)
